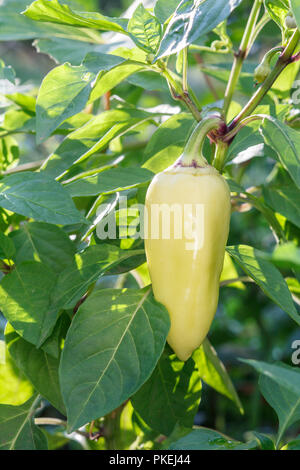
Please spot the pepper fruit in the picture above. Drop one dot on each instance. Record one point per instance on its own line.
(185, 271)
(264, 68)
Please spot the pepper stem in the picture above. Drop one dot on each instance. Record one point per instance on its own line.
(192, 154)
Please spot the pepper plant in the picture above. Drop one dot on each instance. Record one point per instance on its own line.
(84, 353)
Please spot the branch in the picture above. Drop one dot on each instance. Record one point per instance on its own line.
(284, 59)
(241, 55)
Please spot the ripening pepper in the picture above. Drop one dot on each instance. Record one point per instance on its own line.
(185, 271)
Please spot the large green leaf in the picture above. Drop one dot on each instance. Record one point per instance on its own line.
(280, 385)
(92, 137)
(284, 199)
(191, 20)
(167, 142)
(283, 401)
(170, 396)
(37, 196)
(108, 80)
(7, 247)
(68, 50)
(86, 268)
(15, 389)
(40, 368)
(163, 10)
(277, 9)
(286, 142)
(14, 26)
(17, 429)
(112, 347)
(25, 300)
(109, 181)
(207, 439)
(9, 152)
(296, 10)
(144, 29)
(55, 12)
(266, 276)
(66, 89)
(43, 242)
(213, 372)
(7, 72)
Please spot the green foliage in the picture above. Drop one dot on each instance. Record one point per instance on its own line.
(89, 113)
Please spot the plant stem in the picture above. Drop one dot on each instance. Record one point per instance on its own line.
(184, 70)
(227, 282)
(229, 135)
(220, 155)
(283, 60)
(241, 55)
(259, 26)
(179, 94)
(24, 167)
(192, 155)
(50, 421)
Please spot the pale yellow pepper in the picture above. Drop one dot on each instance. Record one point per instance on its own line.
(185, 271)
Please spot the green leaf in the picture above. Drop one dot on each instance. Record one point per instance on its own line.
(86, 268)
(109, 80)
(285, 256)
(213, 372)
(163, 10)
(266, 276)
(283, 198)
(277, 10)
(285, 141)
(265, 442)
(7, 72)
(285, 403)
(25, 300)
(17, 428)
(54, 343)
(15, 389)
(279, 385)
(207, 439)
(167, 142)
(295, 6)
(66, 89)
(7, 247)
(42, 242)
(9, 152)
(39, 367)
(68, 50)
(19, 120)
(109, 181)
(54, 12)
(292, 445)
(222, 72)
(149, 80)
(249, 143)
(116, 337)
(92, 137)
(144, 29)
(14, 26)
(285, 376)
(170, 396)
(26, 102)
(40, 197)
(191, 21)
